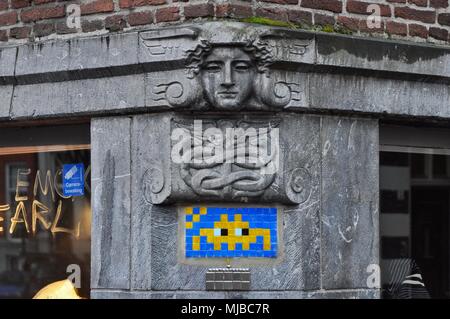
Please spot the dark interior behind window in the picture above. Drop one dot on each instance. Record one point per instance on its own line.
(44, 235)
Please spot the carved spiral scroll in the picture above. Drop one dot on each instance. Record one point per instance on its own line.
(153, 182)
(299, 186)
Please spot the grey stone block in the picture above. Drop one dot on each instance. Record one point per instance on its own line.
(110, 94)
(7, 62)
(91, 96)
(151, 159)
(43, 59)
(6, 92)
(376, 95)
(111, 186)
(108, 51)
(117, 294)
(346, 294)
(350, 238)
(320, 294)
(40, 100)
(53, 60)
(382, 55)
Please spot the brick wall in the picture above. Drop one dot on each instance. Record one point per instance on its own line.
(33, 20)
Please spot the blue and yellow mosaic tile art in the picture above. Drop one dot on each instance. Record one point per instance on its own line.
(216, 232)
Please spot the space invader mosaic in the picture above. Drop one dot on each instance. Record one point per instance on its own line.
(217, 232)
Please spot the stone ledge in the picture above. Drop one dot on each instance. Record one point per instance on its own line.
(319, 294)
(124, 73)
(131, 53)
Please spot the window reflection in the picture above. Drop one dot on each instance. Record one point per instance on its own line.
(414, 224)
(42, 231)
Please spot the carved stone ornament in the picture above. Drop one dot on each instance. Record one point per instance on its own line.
(224, 75)
(226, 68)
(228, 159)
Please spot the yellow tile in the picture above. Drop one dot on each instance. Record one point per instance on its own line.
(202, 210)
(231, 246)
(188, 210)
(195, 246)
(238, 218)
(188, 225)
(266, 246)
(217, 246)
(223, 218)
(256, 232)
(246, 246)
(196, 240)
(196, 218)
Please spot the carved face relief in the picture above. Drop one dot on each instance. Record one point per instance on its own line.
(227, 76)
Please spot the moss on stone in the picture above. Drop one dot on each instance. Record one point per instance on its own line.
(270, 22)
(328, 28)
(277, 23)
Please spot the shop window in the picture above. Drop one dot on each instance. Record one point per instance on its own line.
(44, 228)
(415, 212)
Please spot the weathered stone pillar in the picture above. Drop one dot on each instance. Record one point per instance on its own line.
(303, 219)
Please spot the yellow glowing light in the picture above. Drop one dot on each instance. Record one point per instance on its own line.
(63, 289)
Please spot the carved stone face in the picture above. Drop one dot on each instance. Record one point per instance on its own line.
(227, 76)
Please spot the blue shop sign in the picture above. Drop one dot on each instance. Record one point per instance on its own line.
(73, 179)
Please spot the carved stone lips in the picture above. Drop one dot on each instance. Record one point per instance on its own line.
(228, 94)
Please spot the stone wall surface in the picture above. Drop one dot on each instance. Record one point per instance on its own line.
(133, 72)
(324, 93)
(36, 20)
(328, 240)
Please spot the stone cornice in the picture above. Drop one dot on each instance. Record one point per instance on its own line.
(329, 71)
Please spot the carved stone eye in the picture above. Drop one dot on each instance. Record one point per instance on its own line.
(242, 66)
(212, 67)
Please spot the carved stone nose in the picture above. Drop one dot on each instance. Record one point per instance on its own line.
(227, 84)
(227, 77)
